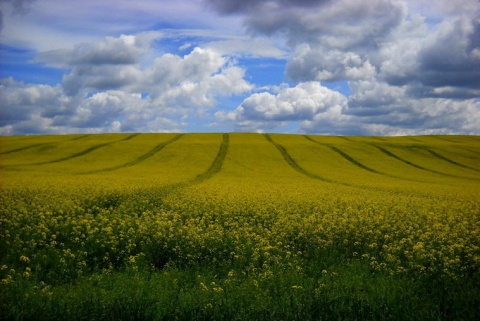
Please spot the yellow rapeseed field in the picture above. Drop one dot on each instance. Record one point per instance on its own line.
(250, 208)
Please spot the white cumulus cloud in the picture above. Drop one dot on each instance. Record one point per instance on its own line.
(111, 85)
(302, 102)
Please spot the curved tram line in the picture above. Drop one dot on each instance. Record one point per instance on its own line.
(351, 159)
(216, 165)
(25, 148)
(214, 168)
(437, 155)
(390, 154)
(290, 161)
(293, 164)
(83, 152)
(86, 151)
(141, 158)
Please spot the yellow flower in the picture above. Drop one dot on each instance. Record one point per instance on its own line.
(7, 280)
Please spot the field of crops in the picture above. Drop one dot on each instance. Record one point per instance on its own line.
(239, 227)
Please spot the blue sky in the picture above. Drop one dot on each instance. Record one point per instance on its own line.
(337, 67)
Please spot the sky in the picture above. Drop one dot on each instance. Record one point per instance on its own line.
(329, 67)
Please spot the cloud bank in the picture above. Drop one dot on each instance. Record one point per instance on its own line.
(106, 89)
(380, 67)
(406, 75)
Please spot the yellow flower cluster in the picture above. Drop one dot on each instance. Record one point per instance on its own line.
(47, 235)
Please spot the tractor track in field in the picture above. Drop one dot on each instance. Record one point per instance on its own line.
(392, 155)
(130, 137)
(162, 192)
(214, 168)
(290, 161)
(344, 137)
(141, 158)
(25, 148)
(353, 161)
(347, 157)
(86, 151)
(83, 152)
(216, 165)
(437, 155)
(80, 137)
(293, 164)
(39, 145)
(288, 158)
